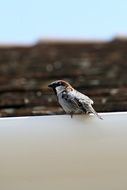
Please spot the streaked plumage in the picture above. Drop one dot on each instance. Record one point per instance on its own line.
(72, 101)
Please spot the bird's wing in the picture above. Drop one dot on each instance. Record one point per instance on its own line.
(84, 103)
(77, 99)
(71, 99)
(83, 98)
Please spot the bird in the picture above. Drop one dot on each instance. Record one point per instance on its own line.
(71, 100)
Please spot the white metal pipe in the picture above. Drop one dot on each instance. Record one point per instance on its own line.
(58, 153)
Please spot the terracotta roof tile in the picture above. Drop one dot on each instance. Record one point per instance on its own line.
(95, 68)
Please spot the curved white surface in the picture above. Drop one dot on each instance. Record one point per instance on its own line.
(58, 153)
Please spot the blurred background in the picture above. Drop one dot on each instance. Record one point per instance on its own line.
(83, 42)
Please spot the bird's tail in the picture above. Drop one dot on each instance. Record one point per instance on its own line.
(91, 109)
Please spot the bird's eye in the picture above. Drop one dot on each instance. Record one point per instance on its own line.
(59, 83)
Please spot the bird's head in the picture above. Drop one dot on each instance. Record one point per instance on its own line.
(59, 85)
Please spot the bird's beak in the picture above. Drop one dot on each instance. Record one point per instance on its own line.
(50, 85)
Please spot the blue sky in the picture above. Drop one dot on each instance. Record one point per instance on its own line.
(26, 21)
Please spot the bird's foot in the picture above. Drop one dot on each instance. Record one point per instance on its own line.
(71, 114)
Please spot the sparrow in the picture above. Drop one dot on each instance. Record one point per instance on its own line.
(71, 100)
